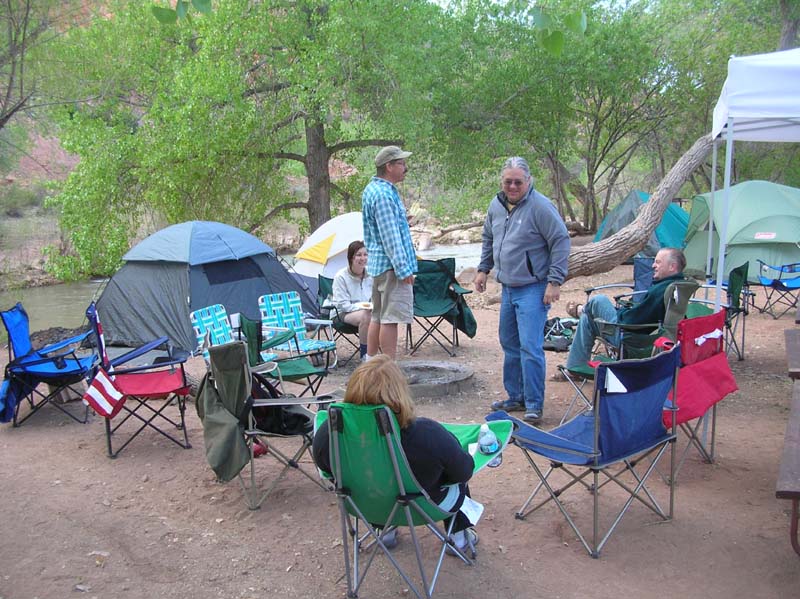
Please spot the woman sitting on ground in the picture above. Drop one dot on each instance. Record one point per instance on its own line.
(434, 455)
(352, 292)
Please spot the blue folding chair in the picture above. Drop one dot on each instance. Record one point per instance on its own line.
(782, 286)
(59, 366)
(623, 427)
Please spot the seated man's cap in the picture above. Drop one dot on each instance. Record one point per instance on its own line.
(390, 153)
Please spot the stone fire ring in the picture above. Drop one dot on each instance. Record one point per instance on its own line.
(429, 378)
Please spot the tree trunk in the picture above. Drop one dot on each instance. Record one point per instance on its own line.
(319, 180)
(612, 251)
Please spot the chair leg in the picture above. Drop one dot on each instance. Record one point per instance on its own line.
(147, 422)
(35, 406)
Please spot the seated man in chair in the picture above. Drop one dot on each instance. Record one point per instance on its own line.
(667, 268)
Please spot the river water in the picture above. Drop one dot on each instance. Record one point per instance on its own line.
(64, 305)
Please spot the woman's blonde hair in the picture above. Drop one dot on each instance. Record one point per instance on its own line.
(381, 382)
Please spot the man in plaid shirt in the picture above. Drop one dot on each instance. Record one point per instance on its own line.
(391, 260)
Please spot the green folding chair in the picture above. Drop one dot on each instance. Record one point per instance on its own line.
(239, 410)
(439, 306)
(376, 489)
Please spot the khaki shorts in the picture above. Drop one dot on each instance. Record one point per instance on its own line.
(392, 300)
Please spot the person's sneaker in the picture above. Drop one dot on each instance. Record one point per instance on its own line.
(470, 542)
(509, 405)
(533, 416)
(389, 538)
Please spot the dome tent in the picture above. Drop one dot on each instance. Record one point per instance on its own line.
(182, 268)
(763, 223)
(669, 232)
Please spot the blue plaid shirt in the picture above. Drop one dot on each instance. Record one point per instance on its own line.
(386, 232)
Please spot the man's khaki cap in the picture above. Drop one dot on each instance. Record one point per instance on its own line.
(390, 153)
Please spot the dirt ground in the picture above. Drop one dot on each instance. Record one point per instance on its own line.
(155, 523)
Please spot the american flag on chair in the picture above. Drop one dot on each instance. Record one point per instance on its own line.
(103, 396)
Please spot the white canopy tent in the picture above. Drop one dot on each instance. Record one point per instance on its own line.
(760, 101)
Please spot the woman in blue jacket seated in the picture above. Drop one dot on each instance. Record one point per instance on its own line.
(434, 455)
(352, 292)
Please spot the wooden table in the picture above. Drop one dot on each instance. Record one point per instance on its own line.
(788, 486)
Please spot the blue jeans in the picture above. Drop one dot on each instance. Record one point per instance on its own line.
(580, 351)
(521, 331)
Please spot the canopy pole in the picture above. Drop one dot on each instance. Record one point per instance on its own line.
(710, 248)
(726, 201)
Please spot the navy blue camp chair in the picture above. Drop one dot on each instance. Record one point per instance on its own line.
(57, 365)
(623, 430)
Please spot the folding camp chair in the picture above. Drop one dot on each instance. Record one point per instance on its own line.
(620, 341)
(58, 365)
(239, 410)
(341, 330)
(280, 311)
(139, 396)
(439, 304)
(737, 307)
(782, 286)
(623, 428)
(704, 379)
(212, 326)
(376, 489)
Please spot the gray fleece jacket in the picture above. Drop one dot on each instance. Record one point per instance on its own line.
(528, 245)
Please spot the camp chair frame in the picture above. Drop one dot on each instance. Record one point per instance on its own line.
(58, 365)
(585, 447)
(412, 506)
(782, 287)
(341, 330)
(228, 363)
(162, 380)
(438, 299)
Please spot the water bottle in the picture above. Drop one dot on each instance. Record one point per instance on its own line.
(488, 444)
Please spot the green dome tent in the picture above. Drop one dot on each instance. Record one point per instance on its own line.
(764, 224)
(669, 233)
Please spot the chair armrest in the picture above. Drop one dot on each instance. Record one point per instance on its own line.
(460, 290)
(282, 335)
(589, 290)
(318, 322)
(139, 351)
(649, 326)
(319, 400)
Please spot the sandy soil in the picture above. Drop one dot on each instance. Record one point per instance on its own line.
(155, 523)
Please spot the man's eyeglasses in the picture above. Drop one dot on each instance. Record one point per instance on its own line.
(513, 182)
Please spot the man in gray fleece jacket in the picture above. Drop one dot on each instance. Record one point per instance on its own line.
(526, 242)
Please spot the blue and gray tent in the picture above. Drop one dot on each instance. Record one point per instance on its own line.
(185, 267)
